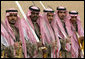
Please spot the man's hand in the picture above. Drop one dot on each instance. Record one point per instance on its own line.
(68, 40)
(54, 43)
(39, 44)
(68, 36)
(81, 38)
(16, 44)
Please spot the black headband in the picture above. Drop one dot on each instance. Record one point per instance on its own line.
(38, 10)
(48, 11)
(11, 11)
(73, 13)
(60, 8)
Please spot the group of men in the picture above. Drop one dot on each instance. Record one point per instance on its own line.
(60, 34)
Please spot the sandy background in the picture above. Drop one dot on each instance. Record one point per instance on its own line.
(70, 5)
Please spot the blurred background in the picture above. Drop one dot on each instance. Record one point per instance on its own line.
(70, 5)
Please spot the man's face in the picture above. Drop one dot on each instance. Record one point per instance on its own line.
(12, 18)
(34, 15)
(62, 14)
(50, 16)
(73, 18)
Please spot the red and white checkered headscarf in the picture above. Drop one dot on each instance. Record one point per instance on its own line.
(5, 38)
(59, 29)
(46, 29)
(18, 25)
(27, 30)
(74, 41)
(80, 29)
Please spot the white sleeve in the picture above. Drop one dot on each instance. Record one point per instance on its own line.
(4, 41)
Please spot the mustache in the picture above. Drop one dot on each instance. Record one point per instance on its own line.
(12, 21)
(62, 16)
(35, 17)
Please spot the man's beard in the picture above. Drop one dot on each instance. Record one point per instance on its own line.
(12, 22)
(50, 20)
(34, 19)
(62, 17)
(73, 21)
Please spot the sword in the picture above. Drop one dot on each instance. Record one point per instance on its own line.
(42, 5)
(33, 3)
(51, 7)
(80, 45)
(21, 10)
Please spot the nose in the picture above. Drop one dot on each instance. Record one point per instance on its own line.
(63, 14)
(35, 14)
(51, 17)
(74, 18)
(13, 17)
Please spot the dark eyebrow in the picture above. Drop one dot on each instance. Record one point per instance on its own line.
(13, 15)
